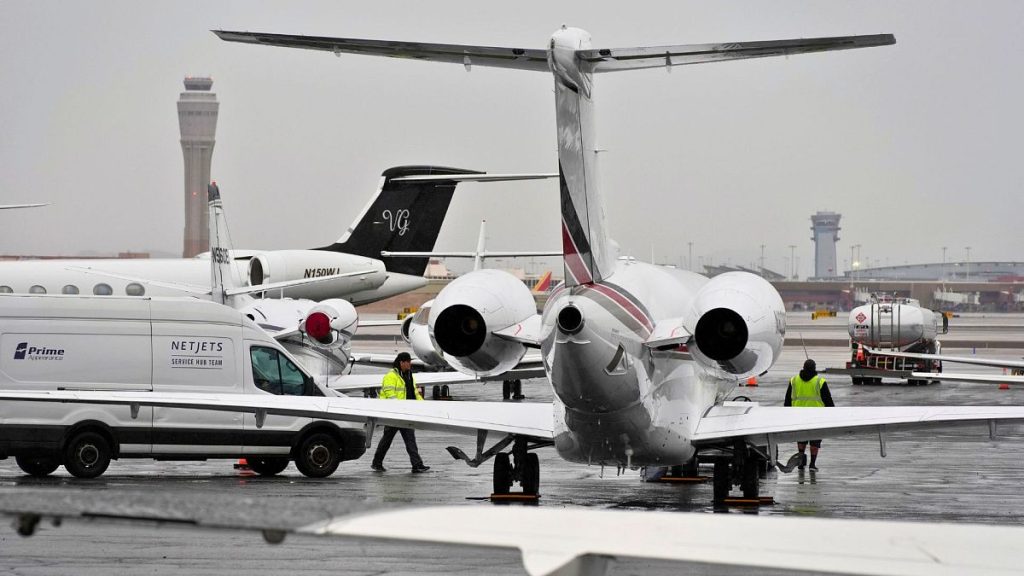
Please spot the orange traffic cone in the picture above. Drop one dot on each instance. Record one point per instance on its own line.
(752, 381)
(242, 464)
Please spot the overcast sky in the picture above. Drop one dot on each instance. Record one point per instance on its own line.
(917, 144)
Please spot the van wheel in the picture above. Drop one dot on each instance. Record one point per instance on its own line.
(38, 466)
(266, 466)
(87, 455)
(318, 456)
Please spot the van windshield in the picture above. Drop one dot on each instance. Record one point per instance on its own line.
(276, 374)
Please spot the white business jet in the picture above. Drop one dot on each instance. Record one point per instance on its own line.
(640, 357)
(405, 214)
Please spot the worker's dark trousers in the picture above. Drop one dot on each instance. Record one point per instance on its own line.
(408, 435)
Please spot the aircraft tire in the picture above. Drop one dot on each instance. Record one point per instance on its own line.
(267, 465)
(435, 392)
(722, 482)
(38, 466)
(318, 456)
(502, 473)
(531, 474)
(750, 483)
(87, 455)
(506, 389)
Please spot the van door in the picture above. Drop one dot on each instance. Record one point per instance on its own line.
(272, 372)
(196, 358)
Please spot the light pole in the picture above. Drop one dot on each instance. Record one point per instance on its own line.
(968, 250)
(762, 260)
(792, 262)
(943, 271)
(689, 262)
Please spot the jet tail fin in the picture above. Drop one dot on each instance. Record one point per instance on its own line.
(221, 269)
(406, 214)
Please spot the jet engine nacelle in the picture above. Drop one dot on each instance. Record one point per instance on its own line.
(738, 322)
(285, 265)
(416, 333)
(330, 324)
(468, 311)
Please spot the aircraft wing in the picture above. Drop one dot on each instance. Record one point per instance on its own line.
(188, 288)
(352, 382)
(16, 206)
(576, 540)
(610, 60)
(557, 542)
(749, 421)
(976, 378)
(517, 58)
(954, 359)
(531, 419)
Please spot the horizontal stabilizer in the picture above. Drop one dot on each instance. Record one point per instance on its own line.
(524, 254)
(516, 58)
(614, 59)
(473, 177)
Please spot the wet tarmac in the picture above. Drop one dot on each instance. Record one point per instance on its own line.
(958, 476)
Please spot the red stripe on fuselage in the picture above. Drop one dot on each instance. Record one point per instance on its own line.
(626, 305)
(572, 258)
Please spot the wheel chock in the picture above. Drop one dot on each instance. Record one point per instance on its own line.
(762, 501)
(515, 497)
(684, 479)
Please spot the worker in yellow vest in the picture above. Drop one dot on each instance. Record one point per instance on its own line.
(399, 384)
(807, 389)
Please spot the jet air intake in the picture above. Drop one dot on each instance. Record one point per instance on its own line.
(467, 312)
(738, 323)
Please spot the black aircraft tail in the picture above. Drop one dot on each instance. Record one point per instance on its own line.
(405, 215)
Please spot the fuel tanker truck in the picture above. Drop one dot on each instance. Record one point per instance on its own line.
(893, 324)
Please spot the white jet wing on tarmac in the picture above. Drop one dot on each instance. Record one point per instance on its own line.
(954, 377)
(535, 420)
(768, 425)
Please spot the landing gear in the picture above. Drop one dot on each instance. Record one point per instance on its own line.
(440, 392)
(518, 466)
(744, 468)
(512, 390)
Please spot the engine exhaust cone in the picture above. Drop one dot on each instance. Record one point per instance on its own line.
(460, 330)
(570, 320)
(721, 334)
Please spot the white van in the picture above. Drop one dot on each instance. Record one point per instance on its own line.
(159, 345)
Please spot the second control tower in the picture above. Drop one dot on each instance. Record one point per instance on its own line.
(197, 116)
(825, 226)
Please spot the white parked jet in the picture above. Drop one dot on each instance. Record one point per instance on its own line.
(404, 214)
(640, 357)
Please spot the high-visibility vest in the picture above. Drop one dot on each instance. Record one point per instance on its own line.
(806, 393)
(393, 386)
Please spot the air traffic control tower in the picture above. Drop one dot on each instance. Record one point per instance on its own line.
(197, 116)
(825, 226)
